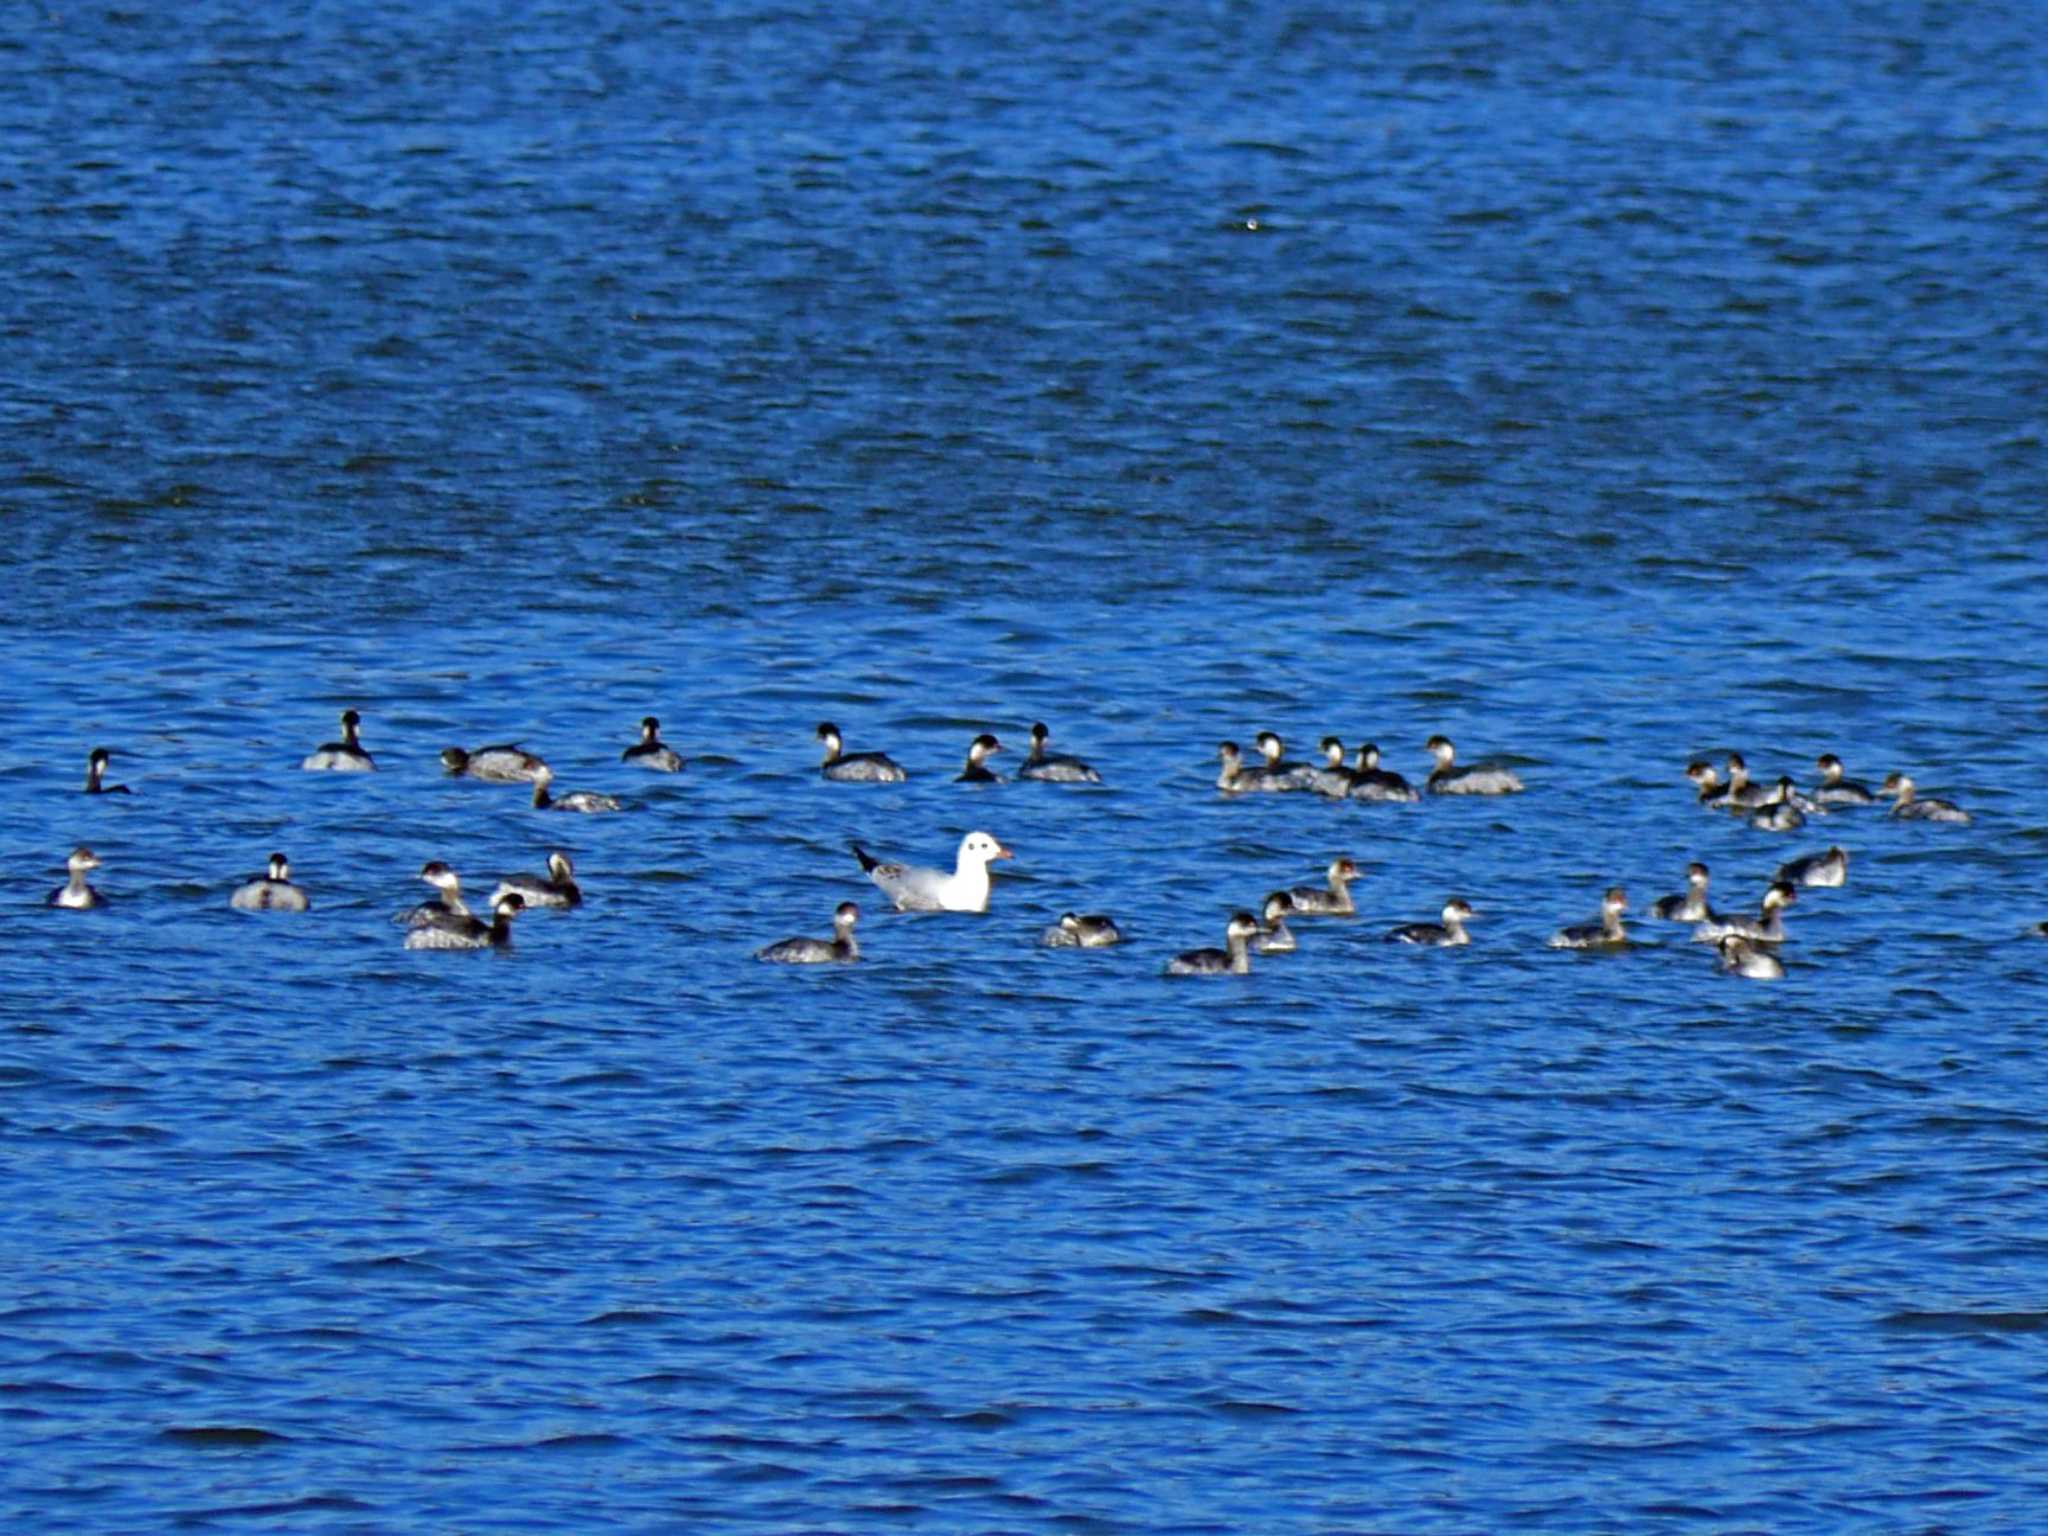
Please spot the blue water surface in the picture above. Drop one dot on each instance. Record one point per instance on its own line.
(1603, 386)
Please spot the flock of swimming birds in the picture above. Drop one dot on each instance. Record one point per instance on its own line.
(1747, 946)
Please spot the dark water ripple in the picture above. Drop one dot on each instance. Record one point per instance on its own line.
(1604, 396)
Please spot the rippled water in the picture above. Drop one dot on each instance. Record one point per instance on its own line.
(1605, 395)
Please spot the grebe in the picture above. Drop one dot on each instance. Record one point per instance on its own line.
(1691, 906)
(1741, 957)
(1283, 774)
(271, 892)
(1708, 778)
(977, 770)
(471, 932)
(1234, 959)
(557, 888)
(1372, 782)
(1766, 928)
(1741, 794)
(1779, 810)
(1275, 937)
(1443, 935)
(1331, 778)
(503, 763)
(1829, 869)
(1235, 778)
(1836, 790)
(584, 802)
(1081, 931)
(855, 767)
(1050, 768)
(1605, 934)
(650, 751)
(95, 769)
(447, 909)
(1333, 900)
(343, 756)
(1446, 778)
(1907, 808)
(840, 949)
(74, 892)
